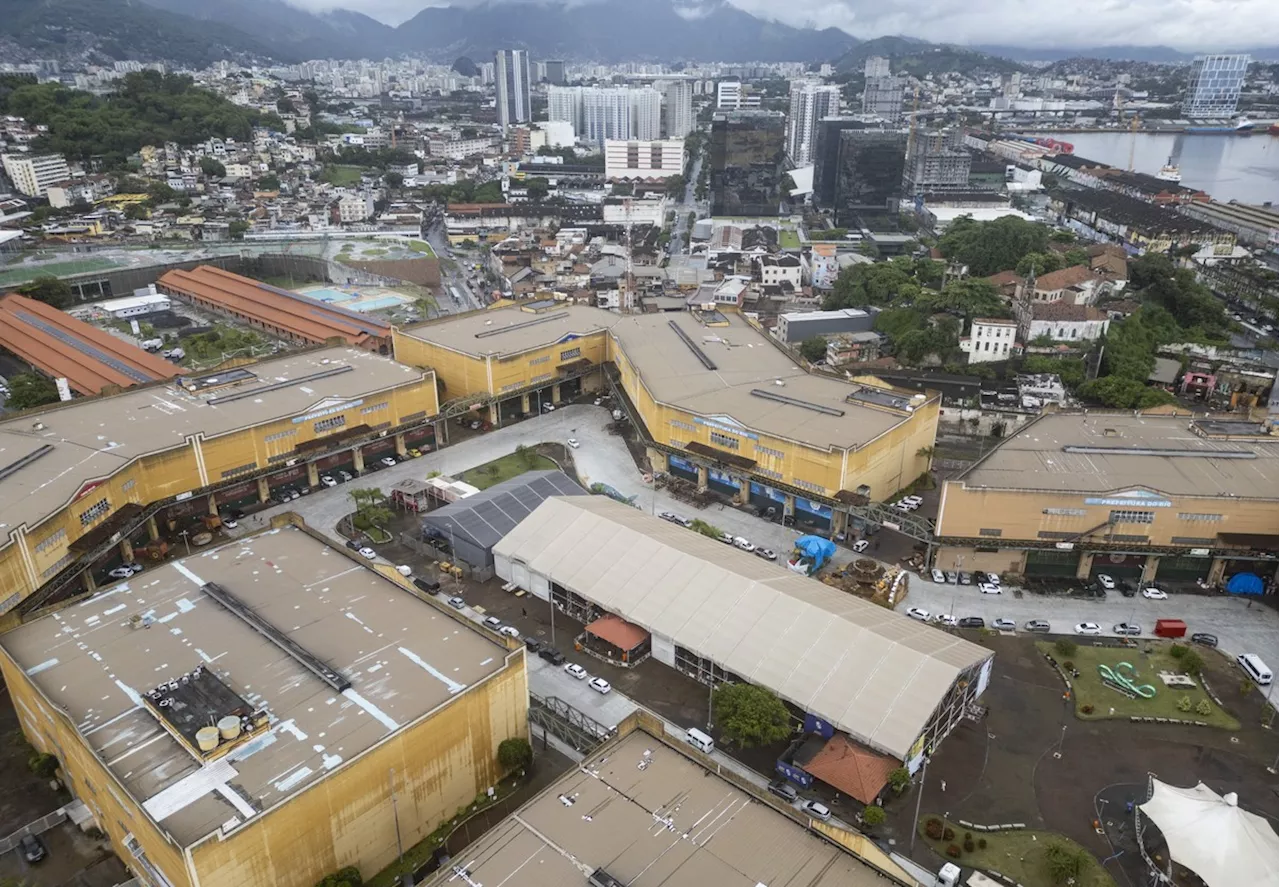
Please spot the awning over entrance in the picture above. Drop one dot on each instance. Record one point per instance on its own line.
(846, 766)
(618, 632)
(701, 449)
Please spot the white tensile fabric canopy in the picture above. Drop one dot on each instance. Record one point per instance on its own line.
(1209, 834)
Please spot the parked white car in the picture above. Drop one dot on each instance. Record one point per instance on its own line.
(861, 545)
(744, 544)
(573, 443)
(600, 685)
(1089, 628)
(574, 670)
(328, 480)
(988, 588)
(918, 614)
(388, 461)
(938, 576)
(368, 552)
(1106, 582)
(1154, 594)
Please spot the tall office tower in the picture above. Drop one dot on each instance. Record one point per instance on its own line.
(826, 157)
(875, 66)
(565, 103)
(936, 161)
(1213, 89)
(555, 72)
(882, 97)
(746, 153)
(646, 114)
(679, 119)
(511, 74)
(868, 172)
(810, 102)
(606, 114)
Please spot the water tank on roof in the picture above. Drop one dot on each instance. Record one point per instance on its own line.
(207, 738)
(229, 727)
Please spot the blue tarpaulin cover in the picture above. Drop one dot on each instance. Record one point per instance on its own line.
(816, 548)
(1245, 583)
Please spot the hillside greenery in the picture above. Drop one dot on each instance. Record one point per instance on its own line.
(149, 109)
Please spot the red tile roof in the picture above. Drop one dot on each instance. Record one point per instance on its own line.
(1060, 280)
(60, 346)
(849, 768)
(617, 631)
(1065, 311)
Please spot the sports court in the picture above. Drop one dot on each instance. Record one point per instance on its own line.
(356, 298)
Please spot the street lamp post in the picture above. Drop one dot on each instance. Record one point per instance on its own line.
(924, 772)
(711, 692)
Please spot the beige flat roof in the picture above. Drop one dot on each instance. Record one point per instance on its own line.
(1160, 453)
(871, 672)
(671, 823)
(93, 438)
(403, 657)
(744, 360)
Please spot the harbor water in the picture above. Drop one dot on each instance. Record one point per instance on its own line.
(1245, 168)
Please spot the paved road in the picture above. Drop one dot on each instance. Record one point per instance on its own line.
(601, 457)
(1239, 627)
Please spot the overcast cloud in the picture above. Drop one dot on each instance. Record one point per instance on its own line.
(1183, 24)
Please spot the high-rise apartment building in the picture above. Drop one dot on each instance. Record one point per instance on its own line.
(679, 109)
(601, 113)
(733, 95)
(936, 161)
(883, 96)
(32, 174)
(826, 156)
(810, 102)
(875, 66)
(1213, 89)
(746, 152)
(511, 75)
(555, 72)
(868, 172)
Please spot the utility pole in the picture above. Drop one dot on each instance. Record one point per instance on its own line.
(924, 772)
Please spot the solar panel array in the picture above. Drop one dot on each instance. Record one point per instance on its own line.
(487, 516)
(85, 348)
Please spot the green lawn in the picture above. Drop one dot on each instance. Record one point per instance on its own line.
(342, 175)
(421, 246)
(1090, 690)
(788, 239)
(509, 466)
(24, 273)
(1019, 855)
(375, 251)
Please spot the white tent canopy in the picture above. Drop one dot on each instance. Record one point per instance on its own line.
(1209, 834)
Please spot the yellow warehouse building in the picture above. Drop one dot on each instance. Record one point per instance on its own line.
(1132, 496)
(90, 479)
(266, 712)
(719, 403)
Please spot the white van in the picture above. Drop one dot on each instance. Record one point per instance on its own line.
(1254, 668)
(699, 740)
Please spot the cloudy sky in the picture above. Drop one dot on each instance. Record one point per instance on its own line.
(1183, 24)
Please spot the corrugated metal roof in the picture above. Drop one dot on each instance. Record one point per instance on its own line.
(874, 674)
(489, 515)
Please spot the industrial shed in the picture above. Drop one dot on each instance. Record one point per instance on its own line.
(472, 526)
(717, 613)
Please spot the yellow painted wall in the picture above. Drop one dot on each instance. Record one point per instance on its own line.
(49, 730)
(440, 764)
(1020, 515)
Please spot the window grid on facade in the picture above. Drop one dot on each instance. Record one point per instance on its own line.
(380, 426)
(1197, 541)
(329, 424)
(1127, 516)
(809, 485)
(1192, 516)
(537, 360)
(240, 469)
(776, 475)
(128, 485)
(687, 426)
(57, 565)
(280, 435)
(988, 531)
(571, 354)
(766, 451)
(375, 408)
(421, 414)
(93, 512)
(724, 440)
(1065, 512)
(281, 457)
(542, 378)
(51, 540)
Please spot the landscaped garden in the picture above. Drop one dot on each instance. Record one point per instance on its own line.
(508, 466)
(1030, 858)
(1136, 671)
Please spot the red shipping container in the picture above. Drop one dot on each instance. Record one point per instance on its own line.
(1170, 628)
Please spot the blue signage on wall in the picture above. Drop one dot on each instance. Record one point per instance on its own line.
(722, 477)
(815, 724)
(793, 773)
(758, 489)
(682, 464)
(813, 507)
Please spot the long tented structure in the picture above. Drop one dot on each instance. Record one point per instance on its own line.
(891, 683)
(1209, 834)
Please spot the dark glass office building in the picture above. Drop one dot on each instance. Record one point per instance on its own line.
(826, 157)
(746, 154)
(868, 174)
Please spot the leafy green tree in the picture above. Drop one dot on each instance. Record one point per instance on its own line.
(698, 525)
(813, 349)
(285, 106)
(48, 289)
(1070, 369)
(159, 192)
(236, 229)
(750, 715)
(27, 390)
(269, 182)
(675, 186)
(1191, 664)
(1121, 393)
(1040, 263)
(538, 188)
(899, 779)
(1065, 862)
(136, 211)
(394, 180)
(971, 297)
(343, 877)
(877, 283)
(1075, 256)
(990, 247)
(489, 192)
(515, 754)
(211, 167)
(873, 815)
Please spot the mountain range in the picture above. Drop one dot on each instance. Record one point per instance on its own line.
(197, 32)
